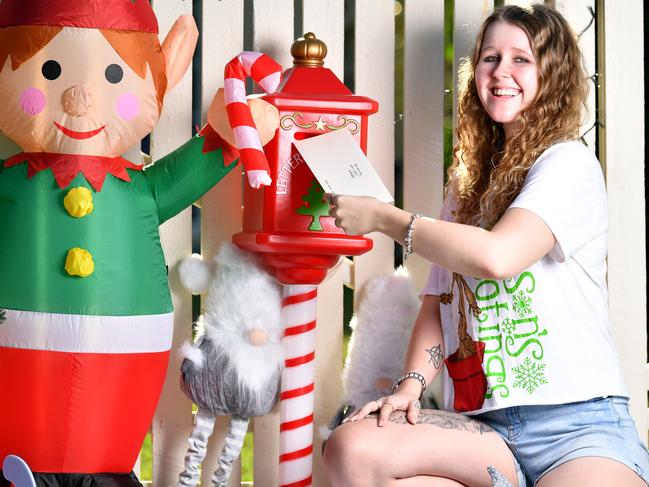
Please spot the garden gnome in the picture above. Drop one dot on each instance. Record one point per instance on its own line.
(234, 368)
(86, 312)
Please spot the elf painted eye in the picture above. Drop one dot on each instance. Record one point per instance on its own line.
(51, 69)
(114, 73)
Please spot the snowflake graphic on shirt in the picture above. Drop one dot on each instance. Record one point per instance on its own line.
(508, 327)
(529, 375)
(522, 303)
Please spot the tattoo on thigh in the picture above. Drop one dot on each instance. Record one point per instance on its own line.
(443, 419)
(436, 356)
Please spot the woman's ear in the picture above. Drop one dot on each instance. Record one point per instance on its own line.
(178, 48)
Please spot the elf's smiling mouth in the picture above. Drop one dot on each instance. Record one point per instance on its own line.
(78, 135)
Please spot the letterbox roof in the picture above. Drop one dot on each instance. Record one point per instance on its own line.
(318, 88)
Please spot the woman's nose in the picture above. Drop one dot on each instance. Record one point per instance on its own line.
(77, 101)
(502, 70)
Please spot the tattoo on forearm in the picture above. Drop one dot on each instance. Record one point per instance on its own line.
(436, 356)
(443, 419)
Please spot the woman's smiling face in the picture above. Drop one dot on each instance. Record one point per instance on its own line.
(506, 74)
(76, 96)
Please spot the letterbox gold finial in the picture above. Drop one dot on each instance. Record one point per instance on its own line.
(308, 51)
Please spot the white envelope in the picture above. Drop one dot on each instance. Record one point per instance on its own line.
(341, 167)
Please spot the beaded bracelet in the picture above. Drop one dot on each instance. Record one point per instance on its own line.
(411, 375)
(409, 233)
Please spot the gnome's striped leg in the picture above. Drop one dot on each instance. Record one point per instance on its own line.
(203, 427)
(296, 406)
(231, 450)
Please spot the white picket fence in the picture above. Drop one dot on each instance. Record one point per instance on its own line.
(618, 33)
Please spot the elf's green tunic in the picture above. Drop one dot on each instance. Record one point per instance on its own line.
(130, 276)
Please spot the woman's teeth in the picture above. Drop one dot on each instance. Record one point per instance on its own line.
(505, 92)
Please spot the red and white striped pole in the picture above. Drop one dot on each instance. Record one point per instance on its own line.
(296, 399)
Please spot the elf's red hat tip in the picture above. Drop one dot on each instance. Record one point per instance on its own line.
(132, 15)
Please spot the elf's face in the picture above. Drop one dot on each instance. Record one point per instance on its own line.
(76, 96)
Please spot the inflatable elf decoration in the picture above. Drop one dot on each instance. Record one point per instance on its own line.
(86, 315)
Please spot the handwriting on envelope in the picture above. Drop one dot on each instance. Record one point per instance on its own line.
(341, 167)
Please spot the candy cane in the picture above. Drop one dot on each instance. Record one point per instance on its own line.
(266, 73)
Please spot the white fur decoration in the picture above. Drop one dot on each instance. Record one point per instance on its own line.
(188, 351)
(324, 432)
(195, 273)
(388, 307)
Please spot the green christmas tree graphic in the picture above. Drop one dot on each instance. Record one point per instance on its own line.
(314, 206)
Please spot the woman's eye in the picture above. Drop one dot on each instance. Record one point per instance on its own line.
(490, 59)
(521, 60)
(114, 73)
(51, 69)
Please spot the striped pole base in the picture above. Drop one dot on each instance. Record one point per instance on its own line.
(296, 399)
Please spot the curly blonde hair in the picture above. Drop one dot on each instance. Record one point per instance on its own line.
(488, 171)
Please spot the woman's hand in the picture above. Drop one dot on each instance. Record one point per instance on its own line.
(386, 405)
(356, 215)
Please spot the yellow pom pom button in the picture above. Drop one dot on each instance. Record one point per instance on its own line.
(78, 202)
(79, 262)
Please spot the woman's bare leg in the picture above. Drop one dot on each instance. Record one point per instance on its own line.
(592, 471)
(426, 481)
(442, 444)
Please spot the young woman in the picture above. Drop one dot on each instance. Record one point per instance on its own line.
(515, 310)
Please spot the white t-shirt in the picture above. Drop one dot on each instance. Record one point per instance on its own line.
(546, 331)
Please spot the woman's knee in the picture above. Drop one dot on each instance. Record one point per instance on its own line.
(349, 446)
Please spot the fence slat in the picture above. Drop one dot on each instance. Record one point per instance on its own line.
(468, 17)
(221, 40)
(579, 16)
(423, 137)
(374, 75)
(273, 29)
(273, 35)
(624, 162)
(172, 422)
(327, 21)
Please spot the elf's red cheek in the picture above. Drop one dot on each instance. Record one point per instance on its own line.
(33, 101)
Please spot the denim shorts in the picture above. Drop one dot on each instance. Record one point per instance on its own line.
(543, 437)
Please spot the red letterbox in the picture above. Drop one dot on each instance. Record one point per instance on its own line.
(287, 222)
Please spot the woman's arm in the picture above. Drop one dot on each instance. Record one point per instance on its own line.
(519, 239)
(425, 356)
(425, 353)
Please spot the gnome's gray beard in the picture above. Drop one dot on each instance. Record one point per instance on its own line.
(220, 387)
